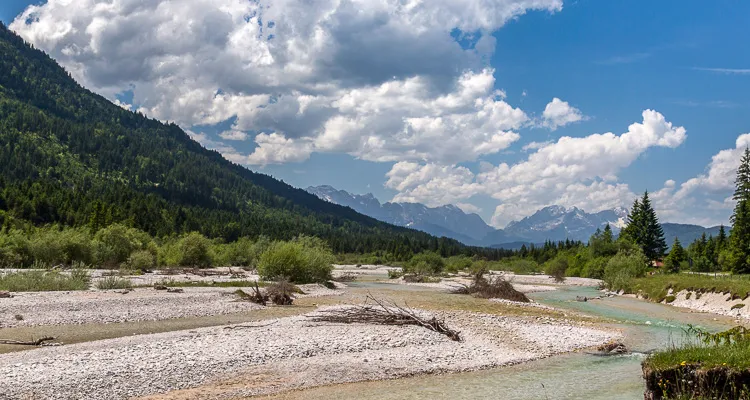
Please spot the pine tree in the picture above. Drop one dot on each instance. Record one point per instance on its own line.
(607, 235)
(644, 229)
(739, 237)
(676, 256)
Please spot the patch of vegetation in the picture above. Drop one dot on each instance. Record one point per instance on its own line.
(305, 260)
(655, 287)
(44, 281)
(223, 284)
(738, 306)
(708, 365)
(427, 263)
(688, 295)
(394, 274)
(670, 299)
(113, 282)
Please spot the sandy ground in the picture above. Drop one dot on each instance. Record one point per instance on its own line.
(716, 303)
(282, 354)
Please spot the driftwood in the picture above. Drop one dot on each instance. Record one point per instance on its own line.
(39, 342)
(249, 326)
(384, 313)
(256, 297)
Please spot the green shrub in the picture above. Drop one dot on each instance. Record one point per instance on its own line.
(427, 263)
(41, 281)
(300, 261)
(115, 243)
(670, 299)
(623, 268)
(113, 282)
(594, 268)
(557, 268)
(195, 250)
(394, 274)
(458, 263)
(141, 260)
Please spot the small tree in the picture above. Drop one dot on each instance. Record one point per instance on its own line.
(195, 250)
(676, 256)
(738, 254)
(296, 262)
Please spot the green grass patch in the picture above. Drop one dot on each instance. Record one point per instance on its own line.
(227, 284)
(738, 306)
(656, 287)
(44, 281)
(670, 299)
(113, 282)
(734, 355)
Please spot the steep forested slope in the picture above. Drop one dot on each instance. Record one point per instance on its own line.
(70, 156)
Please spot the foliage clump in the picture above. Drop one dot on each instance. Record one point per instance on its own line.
(303, 260)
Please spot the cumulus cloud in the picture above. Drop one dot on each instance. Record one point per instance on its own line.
(559, 113)
(535, 146)
(381, 80)
(571, 172)
(720, 173)
(233, 135)
(274, 148)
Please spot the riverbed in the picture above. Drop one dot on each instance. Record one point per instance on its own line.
(646, 326)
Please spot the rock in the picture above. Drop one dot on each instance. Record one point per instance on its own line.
(174, 290)
(160, 287)
(5, 295)
(613, 348)
(582, 299)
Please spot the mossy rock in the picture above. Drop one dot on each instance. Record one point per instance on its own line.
(670, 299)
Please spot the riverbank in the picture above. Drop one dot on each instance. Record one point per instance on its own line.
(270, 354)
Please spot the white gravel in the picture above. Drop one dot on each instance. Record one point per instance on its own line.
(94, 306)
(299, 352)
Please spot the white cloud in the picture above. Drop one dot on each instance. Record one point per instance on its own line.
(469, 208)
(233, 135)
(381, 80)
(535, 145)
(721, 171)
(570, 172)
(726, 71)
(559, 113)
(274, 148)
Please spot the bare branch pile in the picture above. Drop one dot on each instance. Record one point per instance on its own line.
(493, 288)
(384, 313)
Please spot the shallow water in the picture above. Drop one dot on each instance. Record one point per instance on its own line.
(646, 326)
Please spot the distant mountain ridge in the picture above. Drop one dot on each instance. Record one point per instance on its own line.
(550, 223)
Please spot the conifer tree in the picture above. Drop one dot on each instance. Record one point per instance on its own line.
(644, 229)
(676, 256)
(739, 237)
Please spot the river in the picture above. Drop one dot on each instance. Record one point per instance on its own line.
(646, 326)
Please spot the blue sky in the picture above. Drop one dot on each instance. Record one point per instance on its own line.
(607, 61)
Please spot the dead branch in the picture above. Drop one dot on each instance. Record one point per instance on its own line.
(384, 313)
(39, 342)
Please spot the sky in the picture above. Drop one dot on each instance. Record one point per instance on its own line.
(501, 107)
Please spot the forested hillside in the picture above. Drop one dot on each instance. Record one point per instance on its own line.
(70, 156)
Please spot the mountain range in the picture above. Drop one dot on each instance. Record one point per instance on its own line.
(550, 223)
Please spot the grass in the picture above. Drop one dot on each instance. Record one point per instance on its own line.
(44, 281)
(656, 287)
(733, 355)
(227, 284)
(113, 282)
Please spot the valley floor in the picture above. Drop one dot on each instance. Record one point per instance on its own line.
(249, 350)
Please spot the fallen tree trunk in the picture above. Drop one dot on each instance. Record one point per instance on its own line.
(39, 342)
(384, 313)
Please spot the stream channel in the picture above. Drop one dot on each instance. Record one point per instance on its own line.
(646, 326)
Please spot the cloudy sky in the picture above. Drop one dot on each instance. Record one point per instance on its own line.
(499, 106)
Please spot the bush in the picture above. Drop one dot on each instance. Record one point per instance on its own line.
(670, 299)
(195, 250)
(141, 260)
(557, 267)
(41, 281)
(623, 268)
(300, 261)
(458, 263)
(394, 274)
(522, 267)
(115, 243)
(113, 282)
(427, 263)
(594, 268)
